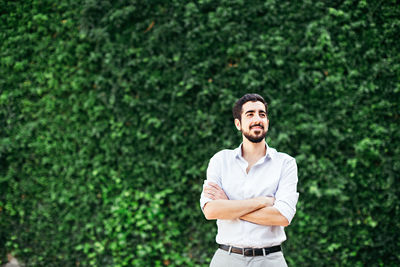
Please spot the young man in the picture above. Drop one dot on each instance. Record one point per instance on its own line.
(251, 192)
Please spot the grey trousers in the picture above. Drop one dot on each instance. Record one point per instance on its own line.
(223, 259)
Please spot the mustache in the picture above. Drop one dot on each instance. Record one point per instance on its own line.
(255, 125)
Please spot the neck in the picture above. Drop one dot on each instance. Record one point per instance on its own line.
(250, 149)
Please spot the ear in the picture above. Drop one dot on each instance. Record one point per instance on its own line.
(267, 124)
(237, 124)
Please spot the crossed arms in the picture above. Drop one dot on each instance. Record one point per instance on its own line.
(257, 210)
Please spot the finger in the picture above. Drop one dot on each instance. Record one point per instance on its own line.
(213, 190)
(214, 185)
(218, 197)
(210, 190)
(221, 196)
(219, 190)
(208, 195)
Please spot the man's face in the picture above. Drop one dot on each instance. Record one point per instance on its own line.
(254, 121)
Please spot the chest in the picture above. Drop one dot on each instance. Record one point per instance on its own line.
(251, 163)
(260, 180)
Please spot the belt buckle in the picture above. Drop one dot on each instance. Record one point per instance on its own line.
(246, 252)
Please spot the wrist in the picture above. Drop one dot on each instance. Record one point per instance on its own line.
(261, 202)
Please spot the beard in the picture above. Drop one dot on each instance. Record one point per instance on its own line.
(255, 138)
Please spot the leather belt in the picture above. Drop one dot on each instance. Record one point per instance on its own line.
(250, 251)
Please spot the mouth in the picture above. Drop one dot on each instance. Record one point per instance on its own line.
(257, 127)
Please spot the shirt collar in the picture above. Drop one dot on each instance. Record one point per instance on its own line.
(270, 152)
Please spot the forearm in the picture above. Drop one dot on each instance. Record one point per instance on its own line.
(231, 209)
(269, 216)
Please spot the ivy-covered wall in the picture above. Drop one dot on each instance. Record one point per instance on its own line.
(110, 111)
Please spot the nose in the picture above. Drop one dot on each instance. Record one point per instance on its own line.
(257, 118)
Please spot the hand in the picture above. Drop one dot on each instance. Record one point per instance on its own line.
(266, 201)
(213, 191)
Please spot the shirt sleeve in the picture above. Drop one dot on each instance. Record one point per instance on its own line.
(286, 196)
(213, 175)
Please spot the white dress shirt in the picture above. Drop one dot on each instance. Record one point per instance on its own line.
(273, 175)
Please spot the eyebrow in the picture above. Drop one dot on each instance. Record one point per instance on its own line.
(252, 111)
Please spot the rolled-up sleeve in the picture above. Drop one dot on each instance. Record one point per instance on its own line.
(213, 175)
(286, 196)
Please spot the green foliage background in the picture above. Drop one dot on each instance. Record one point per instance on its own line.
(110, 111)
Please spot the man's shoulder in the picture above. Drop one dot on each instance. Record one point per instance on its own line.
(224, 154)
(282, 155)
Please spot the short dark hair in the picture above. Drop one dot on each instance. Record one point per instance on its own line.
(237, 108)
